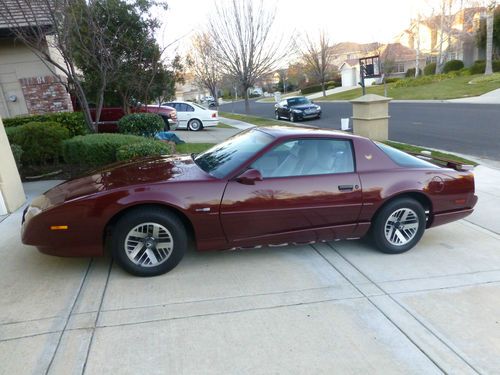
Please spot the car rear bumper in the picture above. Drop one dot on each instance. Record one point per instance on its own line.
(209, 123)
(448, 217)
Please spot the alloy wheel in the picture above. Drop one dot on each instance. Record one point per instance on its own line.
(401, 227)
(149, 244)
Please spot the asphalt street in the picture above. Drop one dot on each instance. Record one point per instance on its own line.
(472, 129)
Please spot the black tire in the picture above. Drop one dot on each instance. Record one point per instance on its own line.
(276, 115)
(389, 223)
(147, 218)
(195, 125)
(291, 117)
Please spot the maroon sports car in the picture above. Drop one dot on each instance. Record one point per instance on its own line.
(264, 186)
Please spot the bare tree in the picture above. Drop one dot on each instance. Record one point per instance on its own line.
(318, 56)
(204, 64)
(244, 43)
(46, 26)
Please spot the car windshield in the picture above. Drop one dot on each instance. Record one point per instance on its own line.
(223, 158)
(298, 101)
(403, 159)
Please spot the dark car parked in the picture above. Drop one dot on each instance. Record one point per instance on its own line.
(296, 108)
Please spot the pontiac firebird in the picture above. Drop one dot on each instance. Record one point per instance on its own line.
(264, 186)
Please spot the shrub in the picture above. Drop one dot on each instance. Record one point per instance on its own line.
(145, 148)
(40, 141)
(144, 124)
(430, 69)
(73, 121)
(17, 151)
(478, 67)
(94, 150)
(311, 89)
(410, 73)
(392, 79)
(453, 65)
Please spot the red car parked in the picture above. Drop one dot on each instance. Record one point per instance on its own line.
(264, 186)
(110, 116)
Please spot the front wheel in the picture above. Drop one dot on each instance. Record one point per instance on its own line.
(399, 226)
(291, 117)
(195, 125)
(276, 115)
(148, 241)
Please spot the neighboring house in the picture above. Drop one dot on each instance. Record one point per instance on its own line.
(458, 36)
(189, 90)
(27, 84)
(350, 74)
(347, 51)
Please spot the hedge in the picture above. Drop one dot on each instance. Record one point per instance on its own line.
(73, 121)
(94, 150)
(17, 151)
(452, 66)
(479, 66)
(317, 88)
(145, 124)
(145, 148)
(40, 141)
(410, 73)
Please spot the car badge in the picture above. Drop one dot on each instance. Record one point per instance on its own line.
(369, 157)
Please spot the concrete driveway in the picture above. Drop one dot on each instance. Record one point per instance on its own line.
(340, 307)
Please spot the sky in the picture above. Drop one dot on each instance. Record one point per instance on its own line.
(360, 21)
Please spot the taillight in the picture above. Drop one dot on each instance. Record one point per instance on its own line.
(214, 115)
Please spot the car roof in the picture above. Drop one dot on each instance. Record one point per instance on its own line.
(279, 131)
(294, 97)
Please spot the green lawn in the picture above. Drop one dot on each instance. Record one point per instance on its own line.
(438, 154)
(188, 148)
(451, 88)
(258, 121)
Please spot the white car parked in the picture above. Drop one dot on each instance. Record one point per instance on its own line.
(193, 116)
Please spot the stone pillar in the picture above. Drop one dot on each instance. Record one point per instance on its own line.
(370, 115)
(11, 189)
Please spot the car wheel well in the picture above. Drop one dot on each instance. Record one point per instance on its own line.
(419, 197)
(184, 219)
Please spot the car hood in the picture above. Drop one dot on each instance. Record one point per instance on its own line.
(304, 106)
(150, 170)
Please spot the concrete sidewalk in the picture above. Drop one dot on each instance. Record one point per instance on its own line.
(492, 97)
(340, 307)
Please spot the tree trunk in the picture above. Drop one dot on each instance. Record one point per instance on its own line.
(84, 104)
(489, 43)
(247, 103)
(323, 88)
(439, 61)
(100, 104)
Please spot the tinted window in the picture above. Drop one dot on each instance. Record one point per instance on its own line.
(188, 108)
(298, 101)
(403, 159)
(223, 158)
(307, 157)
(169, 105)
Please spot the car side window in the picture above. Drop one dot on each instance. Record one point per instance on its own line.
(307, 157)
(188, 108)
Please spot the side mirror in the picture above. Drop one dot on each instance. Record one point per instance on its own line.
(249, 177)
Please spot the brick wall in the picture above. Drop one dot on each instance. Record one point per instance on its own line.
(45, 94)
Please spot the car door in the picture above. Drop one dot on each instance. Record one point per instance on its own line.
(310, 191)
(283, 105)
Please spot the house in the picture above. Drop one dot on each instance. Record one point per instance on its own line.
(350, 74)
(27, 84)
(458, 36)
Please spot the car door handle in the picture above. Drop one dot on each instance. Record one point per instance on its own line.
(346, 187)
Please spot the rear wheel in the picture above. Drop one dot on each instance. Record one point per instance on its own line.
(399, 226)
(148, 241)
(276, 115)
(167, 125)
(195, 125)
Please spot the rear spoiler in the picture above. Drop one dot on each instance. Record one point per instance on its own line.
(442, 162)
